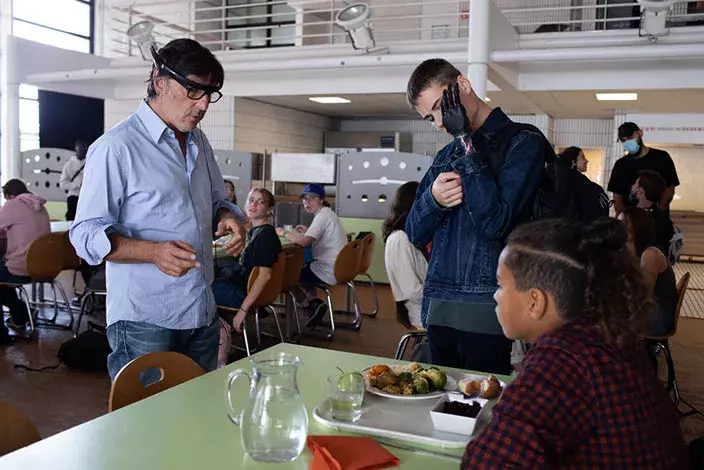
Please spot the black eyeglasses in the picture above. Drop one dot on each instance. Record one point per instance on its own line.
(194, 90)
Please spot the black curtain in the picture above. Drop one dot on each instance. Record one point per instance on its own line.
(64, 118)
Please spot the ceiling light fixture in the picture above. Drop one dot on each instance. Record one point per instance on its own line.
(355, 20)
(329, 100)
(617, 96)
(141, 34)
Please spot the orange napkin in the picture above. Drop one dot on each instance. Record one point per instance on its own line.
(348, 453)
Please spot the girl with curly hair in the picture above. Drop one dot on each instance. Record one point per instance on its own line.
(585, 396)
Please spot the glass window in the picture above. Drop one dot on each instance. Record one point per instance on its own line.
(47, 36)
(71, 16)
(29, 142)
(29, 92)
(29, 116)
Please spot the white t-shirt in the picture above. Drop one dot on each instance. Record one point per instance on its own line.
(407, 269)
(329, 239)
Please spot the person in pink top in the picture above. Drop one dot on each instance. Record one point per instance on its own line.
(23, 218)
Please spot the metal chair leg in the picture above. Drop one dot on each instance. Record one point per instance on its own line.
(376, 297)
(401, 348)
(88, 296)
(331, 312)
(26, 300)
(68, 304)
(671, 378)
(246, 339)
(295, 313)
(276, 320)
(56, 302)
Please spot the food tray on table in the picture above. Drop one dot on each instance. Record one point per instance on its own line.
(406, 420)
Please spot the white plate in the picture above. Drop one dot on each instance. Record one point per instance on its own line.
(450, 386)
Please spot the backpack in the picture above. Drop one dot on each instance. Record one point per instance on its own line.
(561, 192)
(676, 244)
(87, 352)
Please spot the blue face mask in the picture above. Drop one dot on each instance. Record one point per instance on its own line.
(631, 146)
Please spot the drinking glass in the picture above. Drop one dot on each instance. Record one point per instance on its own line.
(346, 396)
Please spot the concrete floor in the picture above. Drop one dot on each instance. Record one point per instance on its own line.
(60, 399)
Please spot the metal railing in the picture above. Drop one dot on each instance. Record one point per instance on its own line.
(247, 24)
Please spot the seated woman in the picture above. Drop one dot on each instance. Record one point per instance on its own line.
(658, 273)
(585, 396)
(262, 250)
(325, 237)
(230, 191)
(406, 265)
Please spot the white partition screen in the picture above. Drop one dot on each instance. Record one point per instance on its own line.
(303, 167)
(41, 170)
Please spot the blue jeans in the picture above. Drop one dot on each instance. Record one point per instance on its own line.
(8, 295)
(129, 340)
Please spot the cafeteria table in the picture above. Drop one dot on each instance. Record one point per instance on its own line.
(187, 427)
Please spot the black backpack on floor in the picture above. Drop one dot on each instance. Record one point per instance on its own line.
(87, 352)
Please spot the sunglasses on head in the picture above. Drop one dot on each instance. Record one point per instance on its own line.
(194, 90)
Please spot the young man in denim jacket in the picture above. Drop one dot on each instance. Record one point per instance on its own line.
(467, 212)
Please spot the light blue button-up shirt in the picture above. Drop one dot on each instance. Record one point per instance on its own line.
(138, 183)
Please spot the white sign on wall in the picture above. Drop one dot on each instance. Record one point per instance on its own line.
(670, 128)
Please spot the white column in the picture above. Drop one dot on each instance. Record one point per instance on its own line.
(10, 164)
(479, 51)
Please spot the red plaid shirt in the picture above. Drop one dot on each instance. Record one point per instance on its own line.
(580, 403)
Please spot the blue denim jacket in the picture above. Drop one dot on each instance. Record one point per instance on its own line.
(465, 238)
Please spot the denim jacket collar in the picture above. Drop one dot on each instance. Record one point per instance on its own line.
(496, 120)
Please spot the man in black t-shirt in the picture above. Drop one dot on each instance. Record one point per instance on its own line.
(639, 157)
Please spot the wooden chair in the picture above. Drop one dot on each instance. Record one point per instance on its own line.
(175, 369)
(662, 345)
(292, 273)
(365, 263)
(45, 260)
(413, 335)
(345, 269)
(271, 292)
(16, 429)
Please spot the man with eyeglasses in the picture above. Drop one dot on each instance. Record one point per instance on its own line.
(152, 199)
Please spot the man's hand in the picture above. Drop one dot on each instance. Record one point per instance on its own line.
(174, 258)
(239, 319)
(454, 116)
(229, 225)
(447, 189)
(302, 229)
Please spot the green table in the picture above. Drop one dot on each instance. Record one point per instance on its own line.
(186, 427)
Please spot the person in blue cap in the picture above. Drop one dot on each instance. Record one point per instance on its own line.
(325, 237)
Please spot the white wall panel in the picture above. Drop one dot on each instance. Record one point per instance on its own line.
(261, 127)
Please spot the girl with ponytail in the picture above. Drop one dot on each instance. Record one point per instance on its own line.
(585, 396)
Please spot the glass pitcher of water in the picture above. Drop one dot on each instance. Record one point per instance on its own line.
(274, 421)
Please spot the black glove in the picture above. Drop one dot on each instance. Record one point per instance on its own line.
(454, 116)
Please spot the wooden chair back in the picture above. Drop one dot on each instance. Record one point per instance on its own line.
(45, 258)
(403, 319)
(71, 259)
(681, 291)
(272, 290)
(175, 369)
(347, 262)
(367, 252)
(293, 266)
(16, 429)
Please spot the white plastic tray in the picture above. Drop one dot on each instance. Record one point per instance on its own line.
(401, 420)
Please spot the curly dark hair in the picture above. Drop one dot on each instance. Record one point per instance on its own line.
(588, 271)
(400, 207)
